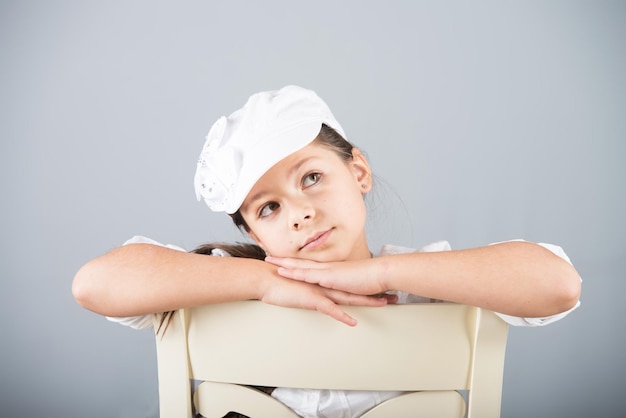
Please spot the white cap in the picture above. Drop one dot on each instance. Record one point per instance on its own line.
(240, 148)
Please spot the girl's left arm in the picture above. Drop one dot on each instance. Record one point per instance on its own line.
(515, 278)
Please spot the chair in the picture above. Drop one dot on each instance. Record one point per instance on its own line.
(432, 350)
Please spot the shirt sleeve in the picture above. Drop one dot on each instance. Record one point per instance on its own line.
(538, 322)
(149, 320)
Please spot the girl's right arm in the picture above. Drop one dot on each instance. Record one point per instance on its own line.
(139, 279)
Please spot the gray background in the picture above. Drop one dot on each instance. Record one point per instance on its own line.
(484, 121)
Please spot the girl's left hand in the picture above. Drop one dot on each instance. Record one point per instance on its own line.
(358, 277)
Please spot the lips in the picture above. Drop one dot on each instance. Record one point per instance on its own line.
(316, 240)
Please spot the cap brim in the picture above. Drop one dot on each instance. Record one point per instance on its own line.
(269, 152)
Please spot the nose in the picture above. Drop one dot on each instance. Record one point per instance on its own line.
(300, 215)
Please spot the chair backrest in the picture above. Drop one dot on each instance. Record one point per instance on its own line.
(433, 350)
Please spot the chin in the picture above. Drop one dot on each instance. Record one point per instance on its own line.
(321, 256)
(332, 256)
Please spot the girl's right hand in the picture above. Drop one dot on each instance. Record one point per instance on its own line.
(289, 293)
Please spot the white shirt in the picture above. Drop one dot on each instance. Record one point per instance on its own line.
(313, 403)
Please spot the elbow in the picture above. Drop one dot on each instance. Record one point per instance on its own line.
(567, 289)
(84, 288)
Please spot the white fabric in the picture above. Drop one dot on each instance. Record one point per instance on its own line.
(240, 148)
(313, 403)
(310, 403)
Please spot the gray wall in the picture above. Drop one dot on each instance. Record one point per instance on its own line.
(485, 121)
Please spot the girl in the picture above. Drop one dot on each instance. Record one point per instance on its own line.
(283, 170)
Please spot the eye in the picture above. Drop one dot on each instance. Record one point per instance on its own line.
(311, 179)
(267, 209)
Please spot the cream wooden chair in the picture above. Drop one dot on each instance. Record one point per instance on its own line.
(432, 350)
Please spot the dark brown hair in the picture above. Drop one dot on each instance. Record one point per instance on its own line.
(327, 137)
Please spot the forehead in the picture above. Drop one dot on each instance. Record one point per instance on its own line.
(288, 167)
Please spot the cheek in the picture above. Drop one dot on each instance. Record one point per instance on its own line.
(352, 206)
(271, 241)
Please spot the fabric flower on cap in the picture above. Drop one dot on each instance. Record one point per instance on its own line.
(218, 168)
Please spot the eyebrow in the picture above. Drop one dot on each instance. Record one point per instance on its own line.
(299, 164)
(253, 199)
(292, 170)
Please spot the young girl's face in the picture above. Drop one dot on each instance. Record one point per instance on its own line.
(310, 205)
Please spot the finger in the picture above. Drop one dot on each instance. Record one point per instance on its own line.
(344, 298)
(292, 263)
(390, 298)
(300, 274)
(328, 307)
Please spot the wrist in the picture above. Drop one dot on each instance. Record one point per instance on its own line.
(382, 273)
(264, 275)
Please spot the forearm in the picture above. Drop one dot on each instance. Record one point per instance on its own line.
(514, 278)
(137, 279)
